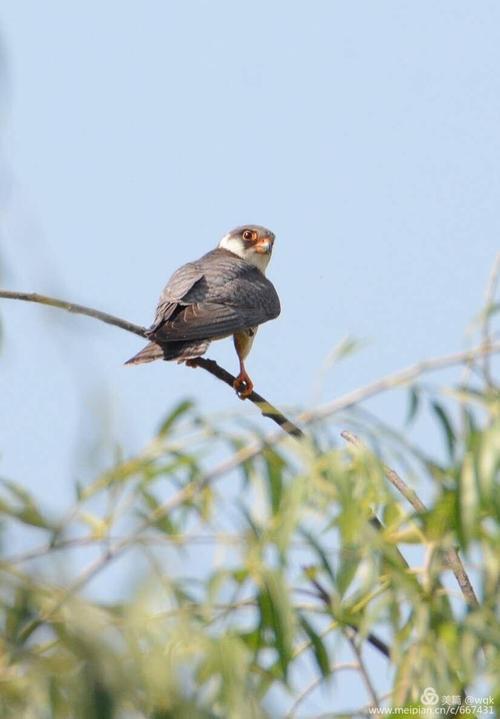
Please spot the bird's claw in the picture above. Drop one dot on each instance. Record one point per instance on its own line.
(243, 385)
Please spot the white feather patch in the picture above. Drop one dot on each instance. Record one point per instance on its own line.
(237, 247)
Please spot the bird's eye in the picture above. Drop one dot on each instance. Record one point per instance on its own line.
(248, 235)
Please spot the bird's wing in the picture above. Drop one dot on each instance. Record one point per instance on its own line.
(226, 296)
(208, 321)
(177, 288)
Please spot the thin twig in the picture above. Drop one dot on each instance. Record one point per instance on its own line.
(341, 666)
(173, 540)
(265, 407)
(351, 637)
(75, 309)
(396, 379)
(451, 556)
(393, 477)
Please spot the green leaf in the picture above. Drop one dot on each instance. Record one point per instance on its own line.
(181, 409)
(164, 523)
(274, 469)
(25, 508)
(251, 639)
(276, 615)
(316, 546)
(413, 405)
(446, 426)
(439, 520)
(489, 466)
(349, 564)
(18, 614)
(468, 500)
(256, 530)
(247, 466)
(346, 347)
(319, 650)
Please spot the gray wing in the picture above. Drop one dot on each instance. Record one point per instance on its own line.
(182, 281)
(214, 297)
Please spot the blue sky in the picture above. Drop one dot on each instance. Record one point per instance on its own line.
(134, 135)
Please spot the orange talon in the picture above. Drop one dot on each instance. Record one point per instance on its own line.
(243, 385)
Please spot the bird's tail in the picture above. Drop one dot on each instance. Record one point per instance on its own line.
(149, 353)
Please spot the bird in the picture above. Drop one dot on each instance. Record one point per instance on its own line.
(223, 293)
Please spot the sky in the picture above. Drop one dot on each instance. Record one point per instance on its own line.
(134, 135)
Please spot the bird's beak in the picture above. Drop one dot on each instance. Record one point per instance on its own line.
(264, 246)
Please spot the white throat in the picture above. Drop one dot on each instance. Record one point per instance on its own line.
(236, 246)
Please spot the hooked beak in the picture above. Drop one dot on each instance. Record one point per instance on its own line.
(265, 245)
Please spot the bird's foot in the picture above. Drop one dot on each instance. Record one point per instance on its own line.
(191, 363)
(243, 385)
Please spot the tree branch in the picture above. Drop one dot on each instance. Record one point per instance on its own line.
(452, 557)
(340, 666)
(390, 381)
(265, 407)
(401, 377)
(363, 670)
(75, 309)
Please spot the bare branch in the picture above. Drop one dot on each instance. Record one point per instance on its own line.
(390, 381)
(265, 407)
(75, 309)
(399, 378)
(452, 557)
(341, 666)
(351, 636)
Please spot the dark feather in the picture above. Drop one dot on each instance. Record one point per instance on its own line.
(180, 351)
(222, 294)
(216, 296)
(149, 353)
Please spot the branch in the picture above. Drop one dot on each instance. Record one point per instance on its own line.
(363, 670)
(265, 407)
(75, 309)
(340, 666)
(452, 557)
(401, 377)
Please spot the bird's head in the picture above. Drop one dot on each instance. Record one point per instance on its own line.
(252, 243)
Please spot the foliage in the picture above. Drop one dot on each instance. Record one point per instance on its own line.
(252, 588)
(250, 577)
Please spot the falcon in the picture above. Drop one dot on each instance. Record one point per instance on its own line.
(223, 293)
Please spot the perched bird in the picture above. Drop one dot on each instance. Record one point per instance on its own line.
(223, 293)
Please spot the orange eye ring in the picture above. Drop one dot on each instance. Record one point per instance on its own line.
(249, 235)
